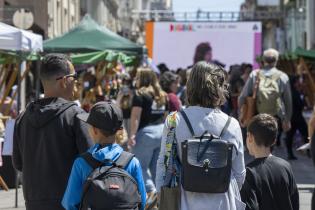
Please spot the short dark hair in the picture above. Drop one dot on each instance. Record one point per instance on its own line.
(107, 133)
(54, 65)
(167, 79)
(264, 128)
(119, 134)
(163, 68)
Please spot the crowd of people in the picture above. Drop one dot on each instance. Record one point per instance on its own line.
(70, 159)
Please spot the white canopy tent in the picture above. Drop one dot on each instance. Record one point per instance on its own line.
(22, 42)
(15, 39)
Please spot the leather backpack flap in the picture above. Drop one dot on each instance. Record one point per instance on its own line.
(211, 174)
(217, 155)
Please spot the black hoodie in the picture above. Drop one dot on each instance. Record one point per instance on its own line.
(47, 138)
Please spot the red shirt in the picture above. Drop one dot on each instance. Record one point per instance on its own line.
(173, 102)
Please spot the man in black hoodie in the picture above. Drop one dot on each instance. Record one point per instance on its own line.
(48, 136)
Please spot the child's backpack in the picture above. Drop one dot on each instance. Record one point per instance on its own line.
(109, 186)
(268, 95)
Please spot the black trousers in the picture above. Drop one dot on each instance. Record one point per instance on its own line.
(297, 124)
(279, 130)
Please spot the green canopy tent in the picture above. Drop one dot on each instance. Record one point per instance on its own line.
(88, 36)
(107, 55)
(310, 54)
(81, 58)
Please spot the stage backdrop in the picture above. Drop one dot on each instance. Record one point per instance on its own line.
(174, 43)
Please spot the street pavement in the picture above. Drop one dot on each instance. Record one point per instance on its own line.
(303, 169)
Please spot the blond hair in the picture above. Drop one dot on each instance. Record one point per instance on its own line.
(149, 86)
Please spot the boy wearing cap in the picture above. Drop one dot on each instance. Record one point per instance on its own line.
(105, 123)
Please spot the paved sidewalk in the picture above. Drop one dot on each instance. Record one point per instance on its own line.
(7, 200)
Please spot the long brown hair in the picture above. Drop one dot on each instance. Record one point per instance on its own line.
(148, 84)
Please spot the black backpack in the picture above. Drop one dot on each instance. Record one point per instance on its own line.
(109, 186)
(206, 161)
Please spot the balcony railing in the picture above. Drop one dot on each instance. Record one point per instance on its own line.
(162, 15)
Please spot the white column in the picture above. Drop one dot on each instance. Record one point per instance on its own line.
(310, 21)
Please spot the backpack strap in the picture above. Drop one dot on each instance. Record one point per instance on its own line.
(256, 83)
(94, 164)
(208, 143)
(91, 160)
(226, 126)
(276, 75)
(124, 159)
(187, 122)
(192, 130)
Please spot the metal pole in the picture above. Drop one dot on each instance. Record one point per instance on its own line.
(18, 111)
(37, 79)
(16, 188)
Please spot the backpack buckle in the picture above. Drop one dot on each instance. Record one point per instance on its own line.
(206, 164)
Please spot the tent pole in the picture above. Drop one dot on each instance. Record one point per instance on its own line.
(37, 87)
(18, 111)
(6, 69)
(21, 79)
(10, 84)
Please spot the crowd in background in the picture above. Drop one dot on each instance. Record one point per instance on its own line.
(207, 92)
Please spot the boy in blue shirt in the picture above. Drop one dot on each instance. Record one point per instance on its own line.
(105, 120)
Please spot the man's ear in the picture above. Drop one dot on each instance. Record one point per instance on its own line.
(250, 137)
(62, 83)
(95, 130)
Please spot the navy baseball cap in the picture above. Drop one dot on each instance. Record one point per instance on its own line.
(105, 116)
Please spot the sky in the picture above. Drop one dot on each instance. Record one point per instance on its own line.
(207, 5)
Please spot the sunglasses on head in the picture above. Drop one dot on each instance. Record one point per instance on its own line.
(74, 75)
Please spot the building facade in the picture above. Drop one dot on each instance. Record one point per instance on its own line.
(51, 18)
(104, 12)
(310, 24)
(38, 9)
(131, 23)
(62, 16)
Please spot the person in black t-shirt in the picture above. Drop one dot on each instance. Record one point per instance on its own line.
(297, 120)
(269, 182)
(149, 109)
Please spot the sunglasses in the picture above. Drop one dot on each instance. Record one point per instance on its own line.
(74, 75)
